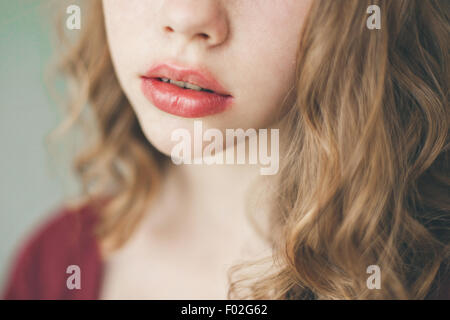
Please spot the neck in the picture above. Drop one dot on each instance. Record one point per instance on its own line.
(207, 199)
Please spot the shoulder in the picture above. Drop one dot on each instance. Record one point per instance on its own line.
(65, 238)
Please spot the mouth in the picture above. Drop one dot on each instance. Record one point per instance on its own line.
(185, 92)
(184, 85)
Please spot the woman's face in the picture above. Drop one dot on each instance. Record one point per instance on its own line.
(244, 51)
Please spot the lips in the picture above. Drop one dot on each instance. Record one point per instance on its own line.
(185, 92)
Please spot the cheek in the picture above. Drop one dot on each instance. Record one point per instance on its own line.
(266, 53)
(117, 27)
(127, 28)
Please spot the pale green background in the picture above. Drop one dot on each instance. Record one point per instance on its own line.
(30, 188)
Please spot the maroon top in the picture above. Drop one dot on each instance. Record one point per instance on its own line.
(39, 269)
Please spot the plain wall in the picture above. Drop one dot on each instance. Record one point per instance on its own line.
(30, 188)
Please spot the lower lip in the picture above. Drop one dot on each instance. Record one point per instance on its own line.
(183, 102)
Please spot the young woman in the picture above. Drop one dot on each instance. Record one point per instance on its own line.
(359, 208)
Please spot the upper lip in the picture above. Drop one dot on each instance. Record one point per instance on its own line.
(198, 77)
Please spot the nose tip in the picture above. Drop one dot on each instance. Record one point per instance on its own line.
(197, 20)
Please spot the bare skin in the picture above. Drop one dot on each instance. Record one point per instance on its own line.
(189, 238)
(197, 226)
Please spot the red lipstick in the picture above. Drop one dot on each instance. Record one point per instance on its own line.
(195, 94)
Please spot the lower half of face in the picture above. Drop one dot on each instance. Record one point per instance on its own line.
(229, 64)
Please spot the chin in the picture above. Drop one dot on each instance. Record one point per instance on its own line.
(159, 133)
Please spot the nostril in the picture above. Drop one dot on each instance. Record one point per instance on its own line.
(201, 35)
(168, 29)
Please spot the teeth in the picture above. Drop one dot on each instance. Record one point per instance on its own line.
(192, 86)
(182, 84)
